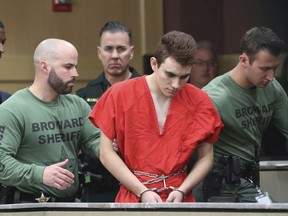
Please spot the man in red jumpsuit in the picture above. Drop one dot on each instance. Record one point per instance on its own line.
(158, 121)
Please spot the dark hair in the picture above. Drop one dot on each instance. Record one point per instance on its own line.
(1, 24)
(178, 45)
(259, 38)
(115, 26)
(207, 45)
(204, 44)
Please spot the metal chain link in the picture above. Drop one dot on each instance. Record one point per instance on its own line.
(156, 177)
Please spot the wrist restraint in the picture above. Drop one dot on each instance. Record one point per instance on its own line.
(153, 189)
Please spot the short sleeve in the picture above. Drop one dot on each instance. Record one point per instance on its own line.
(210, 120)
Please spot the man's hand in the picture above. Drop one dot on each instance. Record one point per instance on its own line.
(175, 196)
(150, 197)
(56, 176)
(115, 145)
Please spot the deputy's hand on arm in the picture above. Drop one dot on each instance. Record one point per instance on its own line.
(57, 176)
(116, 166)
(115, 145)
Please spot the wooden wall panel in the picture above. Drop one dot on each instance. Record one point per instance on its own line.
(29, 22)
(223, 22)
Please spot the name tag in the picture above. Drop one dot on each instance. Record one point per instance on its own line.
(92, 100)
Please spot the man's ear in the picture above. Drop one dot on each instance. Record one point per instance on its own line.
(131, 52)
(99, 52)
(153, 63)
(244, 60)
(44, 66)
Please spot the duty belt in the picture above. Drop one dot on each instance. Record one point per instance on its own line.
(157, 178)
(39, 197)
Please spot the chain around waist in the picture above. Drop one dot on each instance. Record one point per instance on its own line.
(154, 178)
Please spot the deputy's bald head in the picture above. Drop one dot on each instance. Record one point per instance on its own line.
(49, 50)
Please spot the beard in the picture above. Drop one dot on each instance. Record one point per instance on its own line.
(58, 84)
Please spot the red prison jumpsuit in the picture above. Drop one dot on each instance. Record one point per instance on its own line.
(126, 111)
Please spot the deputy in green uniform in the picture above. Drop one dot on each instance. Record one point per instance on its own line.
(247, 98)
(43, 128)
(115, 52)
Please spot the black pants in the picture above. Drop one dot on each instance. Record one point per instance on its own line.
(95, 193)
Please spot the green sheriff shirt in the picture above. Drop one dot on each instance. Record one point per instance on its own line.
(35, 134)
(246, 113)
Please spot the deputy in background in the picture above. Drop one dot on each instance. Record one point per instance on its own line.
(206, 65)
(115, 51)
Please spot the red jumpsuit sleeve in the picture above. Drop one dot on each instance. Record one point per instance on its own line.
(210, 120)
